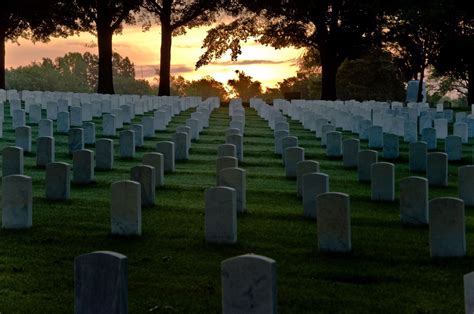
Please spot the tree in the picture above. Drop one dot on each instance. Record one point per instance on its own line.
(74, 72)
(36, 20)
(455, 59)
(175, 16)
(244, 86)
(337, 29)
(373, 76)
(104, 18)
(206, 87)
(413, 36)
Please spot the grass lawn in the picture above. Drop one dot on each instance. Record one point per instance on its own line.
(173, 270)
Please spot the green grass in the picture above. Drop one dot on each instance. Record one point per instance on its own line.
(173, 270)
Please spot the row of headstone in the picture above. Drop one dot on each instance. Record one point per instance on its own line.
(101, 283)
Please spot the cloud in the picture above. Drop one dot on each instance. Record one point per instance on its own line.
(251, 62)
(146, 70)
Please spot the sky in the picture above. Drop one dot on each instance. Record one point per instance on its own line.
(143, 48)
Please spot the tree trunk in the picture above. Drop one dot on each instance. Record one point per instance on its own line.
(165, 58)
(419, 97)
(470, 86)
(329, 68)
(106, 81)
(2, 60)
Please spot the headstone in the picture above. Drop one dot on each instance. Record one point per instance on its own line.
(156, 161)
(417, 156)
(461, 129)
(447, 228)
(375, 134)
(238, 141)
(181, 146)
(453, 147)
(334, 144)
(414, 201)
(58, 181)
(35, 114)
(390, 146)
(325, 129)
(466, 184)
(469, 293)
(76, 140)
(109, 125)
(187, 130)
(148, 126)
(223, 163)
(160, 120)
(314, 184)
(12, 160)
(232, 131)
(45, 128)
(44, 150)
(235, 178)
(52, 110)
(334, 222)
(63, 124)
(17, 199)
(126, 208)
(83, 166)
(104, 150)
(118, 113)
(167, 149)
(221, 215)
(279, 136)
(138, 132)
(145, 175)
(89, 132)
(101, 283)
(437, 169)
(364, 164)
(245, 273)
(226, 150)
(410, 132)
(303, 167)
(76, 116)
(350, 152)
(293, 155)
(441, 126)
(286, 142)
(383, 182)
(127, 144)
(23, 138)
(18, 118)
(428, 135)
(194, 125)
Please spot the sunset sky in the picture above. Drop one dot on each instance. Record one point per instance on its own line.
(143, 48)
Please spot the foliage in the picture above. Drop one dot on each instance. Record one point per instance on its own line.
(244, 86)
(75, 72)
(206, 87)
(371, 77)
(104, 18)
(175, 16)
(338, 30)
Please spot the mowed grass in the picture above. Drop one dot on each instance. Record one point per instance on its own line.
(173, 270)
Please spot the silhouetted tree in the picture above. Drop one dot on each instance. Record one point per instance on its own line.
(338, 29)
(244, 86)
(104, 18)
(456, 47)
(175, 16)
(35, 20)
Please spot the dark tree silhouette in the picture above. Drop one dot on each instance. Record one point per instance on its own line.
(337, 29)
(104, 18)
(35, 20)
(175, 16)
